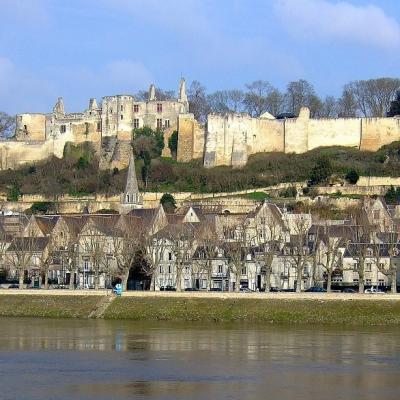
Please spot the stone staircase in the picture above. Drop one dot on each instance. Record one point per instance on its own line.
(102, 306)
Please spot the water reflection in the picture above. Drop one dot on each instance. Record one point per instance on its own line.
(123, 360)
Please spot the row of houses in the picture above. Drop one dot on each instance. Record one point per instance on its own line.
(195, 249)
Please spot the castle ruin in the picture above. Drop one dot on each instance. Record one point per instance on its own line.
(226, 139)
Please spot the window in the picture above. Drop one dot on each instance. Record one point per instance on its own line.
(98, 126)
(86, 265)
(244, 271)
(369, 252)
(166, 123)
(110, 110)
(220, 269)
(368, 281)
(136, 123)
(262, 220)
(161, 269)
(187, 269)
(159, 107)
(355, 280)
(122, 108)
(381, 282)
(63, 128)
(25, 127)
(122, 117)
(204, 283)
(355, 266)
(169, 269)
(159, 123)
(377, 214)
(136, 108)
(368, 267)
(169, 256)
(381, 265)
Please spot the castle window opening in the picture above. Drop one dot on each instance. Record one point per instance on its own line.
(136, 123)
(166, 123)
(122, 108)
(98, 126)
(122, 117)
(136, 108)
(159, 107)
(63, 129)
(110, 110)
(159, 123)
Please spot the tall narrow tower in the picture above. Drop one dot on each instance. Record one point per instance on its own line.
(131, 198)
(183, 96)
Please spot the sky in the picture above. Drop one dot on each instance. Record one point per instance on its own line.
(80, 49)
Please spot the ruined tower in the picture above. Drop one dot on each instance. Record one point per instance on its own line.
(131, 198)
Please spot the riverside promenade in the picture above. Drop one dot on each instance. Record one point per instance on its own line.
(206, 295)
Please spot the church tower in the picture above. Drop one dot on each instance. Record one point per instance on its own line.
(131, 198)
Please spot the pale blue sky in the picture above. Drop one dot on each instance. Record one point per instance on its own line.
(92, 48)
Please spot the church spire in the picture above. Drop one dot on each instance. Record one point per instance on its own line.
(131, 197)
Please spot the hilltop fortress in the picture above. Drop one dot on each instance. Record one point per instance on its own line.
(226, 139)
(231, 138)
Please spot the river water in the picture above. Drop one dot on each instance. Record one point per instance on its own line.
(86, 359)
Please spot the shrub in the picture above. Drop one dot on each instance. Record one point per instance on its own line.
(352, 176)
(42, 207)
(392, 196)
(321, 171)
(173, 142)
(14, 193)
(288, 192)
(168, 202)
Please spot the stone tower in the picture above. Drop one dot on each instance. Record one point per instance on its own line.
(58, 109)
(183, 96)
(131, 198)
(152, 93)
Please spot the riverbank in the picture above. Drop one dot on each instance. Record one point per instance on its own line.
(288, 309)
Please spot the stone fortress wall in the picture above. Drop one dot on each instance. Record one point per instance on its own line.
(229, 139)
(108, 127)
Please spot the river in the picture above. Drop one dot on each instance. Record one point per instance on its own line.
(97, 359)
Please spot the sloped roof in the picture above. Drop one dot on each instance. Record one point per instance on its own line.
(46, 223)
(34, 244)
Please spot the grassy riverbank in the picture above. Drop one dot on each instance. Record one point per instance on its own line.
(339, 312)
(44, 306)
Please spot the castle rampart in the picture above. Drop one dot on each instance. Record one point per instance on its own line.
(231, 138)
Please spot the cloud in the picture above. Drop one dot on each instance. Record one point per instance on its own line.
(364, 25)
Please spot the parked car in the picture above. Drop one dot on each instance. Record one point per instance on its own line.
(168, 288)
(315, 289)
(246, 290)
(191, 289)
(14, 286)
(373, 290)
(275, 290)
(215, 289)
(349, 290)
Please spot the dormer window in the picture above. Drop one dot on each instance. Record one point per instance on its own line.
(159, 107)
(136, 108)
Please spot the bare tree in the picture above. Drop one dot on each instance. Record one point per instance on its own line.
(270, 234)
(237, 246)
(328, 253)
(198, 104)
(20, 256)
(7, 125)
(374, 96)
(180, 238)
(347, 104)
(360, 247)
(299, 94)
(255, 100)
(299, 254)
(387, 248)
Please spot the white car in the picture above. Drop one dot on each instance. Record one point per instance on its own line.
(373, 290)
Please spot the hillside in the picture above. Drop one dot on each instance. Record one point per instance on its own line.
(78, 173)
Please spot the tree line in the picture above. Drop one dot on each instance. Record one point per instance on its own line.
(360, 98)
